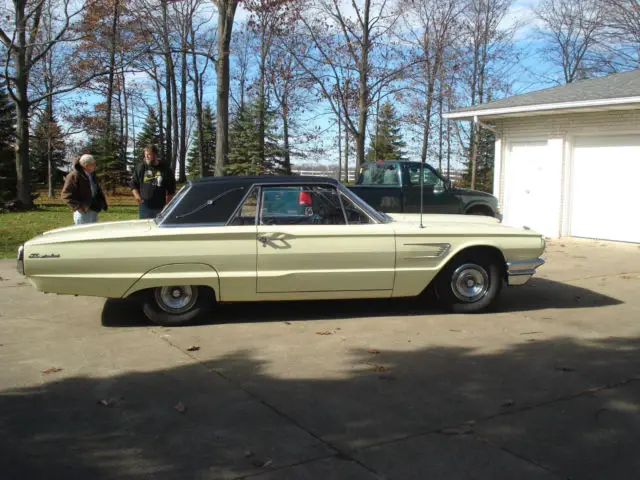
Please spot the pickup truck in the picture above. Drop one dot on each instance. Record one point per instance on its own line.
(393, 186)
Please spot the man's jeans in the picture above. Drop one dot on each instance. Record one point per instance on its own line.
(146, 212)
(89, 217)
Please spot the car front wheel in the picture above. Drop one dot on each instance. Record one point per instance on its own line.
(469, 285)
(175, 305)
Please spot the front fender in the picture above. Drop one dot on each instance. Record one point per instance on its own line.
(177, 274)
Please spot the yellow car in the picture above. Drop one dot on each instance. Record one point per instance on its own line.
(238, 239)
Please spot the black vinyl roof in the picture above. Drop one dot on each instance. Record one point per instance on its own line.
(233, 180)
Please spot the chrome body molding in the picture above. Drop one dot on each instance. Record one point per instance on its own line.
(520, 272)
(432, 250)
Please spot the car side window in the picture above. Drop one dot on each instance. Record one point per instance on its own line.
(301, 205)
(246, 214)
(355, 215)
(430, 178)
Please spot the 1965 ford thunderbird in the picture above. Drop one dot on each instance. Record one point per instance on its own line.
(231, 239)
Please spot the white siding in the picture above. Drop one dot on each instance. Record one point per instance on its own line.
(560, 132)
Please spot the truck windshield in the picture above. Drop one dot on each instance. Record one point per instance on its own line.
(379, 174)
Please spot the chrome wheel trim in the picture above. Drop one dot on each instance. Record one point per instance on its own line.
(176, 299)
(470, 282)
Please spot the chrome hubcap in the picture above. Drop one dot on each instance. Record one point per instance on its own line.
(470, 282)
(176, 299)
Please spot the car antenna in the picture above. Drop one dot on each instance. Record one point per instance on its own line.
(421, 190)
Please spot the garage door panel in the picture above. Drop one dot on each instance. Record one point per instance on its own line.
(605, 171)
(528, 199)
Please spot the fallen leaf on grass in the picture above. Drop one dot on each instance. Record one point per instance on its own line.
(373, 351)
(193, 348)
(51, 370)
(180, 407)
(324, 332)
(248, 453)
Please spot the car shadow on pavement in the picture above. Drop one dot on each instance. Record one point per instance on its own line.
(555, 408)
(538, 294)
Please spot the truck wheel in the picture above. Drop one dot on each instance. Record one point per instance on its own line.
(480, 211)
(175, 305)
(469, 284)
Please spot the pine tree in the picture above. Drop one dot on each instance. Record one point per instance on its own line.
(8, 179)
(244, 152)
(484, 162)
(208, 145)
(149, 135)
(386, 142)
(47, 135)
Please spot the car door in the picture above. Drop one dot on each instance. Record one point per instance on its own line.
(320, 243)
(437, 198)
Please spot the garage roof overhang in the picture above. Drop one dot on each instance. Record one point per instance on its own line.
(544, 109)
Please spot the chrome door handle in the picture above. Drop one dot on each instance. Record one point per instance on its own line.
(263, 240)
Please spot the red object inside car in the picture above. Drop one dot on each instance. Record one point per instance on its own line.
(304, 198)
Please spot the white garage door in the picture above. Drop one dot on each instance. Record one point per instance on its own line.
(529, 199)
(604, 188)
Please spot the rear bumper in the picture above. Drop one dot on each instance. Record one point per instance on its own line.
(20, 262)
(520, 272)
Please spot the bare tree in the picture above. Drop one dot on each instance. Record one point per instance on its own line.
(431, 38)
(485, 43)
(622, 21)
(20, 36)
(226, 14)
(345, 45)
(572, 29)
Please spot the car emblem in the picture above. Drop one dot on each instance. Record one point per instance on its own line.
(48, 255)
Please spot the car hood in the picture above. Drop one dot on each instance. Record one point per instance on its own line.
(94, 231)
(471, 193)
(472, 224)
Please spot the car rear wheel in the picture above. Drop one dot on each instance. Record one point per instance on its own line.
(469, 284)
(176, 304)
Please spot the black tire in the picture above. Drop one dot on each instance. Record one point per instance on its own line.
(470, 283)
(177, 305)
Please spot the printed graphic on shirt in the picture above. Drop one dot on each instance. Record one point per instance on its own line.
(153, 177)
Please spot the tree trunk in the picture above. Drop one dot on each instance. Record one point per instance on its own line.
(198, 100)
(112, 68)
(261, 99)
(183, 118)
(339, 149)
(22, 107)
(346, 154)
(49, 117)
(363, 93)
(226, 12)
(285, 132)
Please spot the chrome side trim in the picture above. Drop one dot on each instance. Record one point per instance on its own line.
(437, 250)
(520, 272)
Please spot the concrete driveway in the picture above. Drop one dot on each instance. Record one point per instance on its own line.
(547, 387)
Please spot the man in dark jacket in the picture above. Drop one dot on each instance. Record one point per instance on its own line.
(152, 184)
(82, 192)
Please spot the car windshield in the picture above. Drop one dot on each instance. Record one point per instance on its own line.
(169, 206)
(378, 216)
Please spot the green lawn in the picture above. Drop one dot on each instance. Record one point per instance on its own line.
(18, 227)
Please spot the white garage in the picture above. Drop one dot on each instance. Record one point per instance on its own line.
(567, 159)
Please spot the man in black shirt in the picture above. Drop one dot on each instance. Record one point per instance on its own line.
(152, 184)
